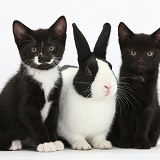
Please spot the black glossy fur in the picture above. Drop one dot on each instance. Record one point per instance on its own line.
(137, 121)
(22, 98)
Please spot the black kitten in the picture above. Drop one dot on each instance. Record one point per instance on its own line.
(29, 103)
(137, 121)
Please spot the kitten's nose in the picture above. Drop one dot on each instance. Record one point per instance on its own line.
(44, 59)
(141, 61)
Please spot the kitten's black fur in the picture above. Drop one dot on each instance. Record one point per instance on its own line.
(137, 121)
(22, 99)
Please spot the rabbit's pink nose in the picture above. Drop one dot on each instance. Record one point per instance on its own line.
(107, 87)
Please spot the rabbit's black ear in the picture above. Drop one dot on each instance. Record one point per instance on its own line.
(82, 46)
(102, 42)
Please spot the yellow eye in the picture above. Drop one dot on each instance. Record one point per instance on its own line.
(33, 49)
(51, 48)
(133, 53)
(150, 54)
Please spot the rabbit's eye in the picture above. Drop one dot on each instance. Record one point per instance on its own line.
(88, 72)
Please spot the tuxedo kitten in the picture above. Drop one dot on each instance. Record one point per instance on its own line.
(29, 103)
(137, 121)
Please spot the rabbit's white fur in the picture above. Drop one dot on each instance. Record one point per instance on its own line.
(87, 119)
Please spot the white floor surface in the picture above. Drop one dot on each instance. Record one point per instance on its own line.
(68, 154)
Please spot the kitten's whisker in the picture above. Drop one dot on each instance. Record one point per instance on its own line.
(132, 96)
(127, 100)
(89, 95)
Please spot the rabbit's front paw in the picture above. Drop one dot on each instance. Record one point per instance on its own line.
(59, 145)
(103, 144)
(81, 145)
(46, 147)
(16, 145)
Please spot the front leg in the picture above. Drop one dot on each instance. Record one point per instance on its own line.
(51, 124)
(142, 130)
(126, 130)
(52, 119)
(99, 142)
(78, 142)
(32, 120)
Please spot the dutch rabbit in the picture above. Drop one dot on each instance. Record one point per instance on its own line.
(87, 101)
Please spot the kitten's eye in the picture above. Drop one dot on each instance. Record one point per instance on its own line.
(52, 48)
(133, 53)
(150, 54)
(33, 49)
(88, 72)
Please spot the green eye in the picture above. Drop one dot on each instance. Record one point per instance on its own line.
(133, 53)
(33, 49)
(51, 48)
(150, 54)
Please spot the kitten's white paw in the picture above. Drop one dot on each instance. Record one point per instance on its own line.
(81, 145)
(46, 147)
(103, 144)
(59, 145)
(16, 145)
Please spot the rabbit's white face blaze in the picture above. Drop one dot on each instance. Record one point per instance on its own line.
(104, 84)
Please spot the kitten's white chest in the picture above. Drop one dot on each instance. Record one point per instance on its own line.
(47, 79)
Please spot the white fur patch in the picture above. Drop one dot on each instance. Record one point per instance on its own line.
(46, 147)
(81, 118)
(59, 145)
(104, 77)
(48, 79)
(104, 144)
(36, 61)
(16, 145)
(81, 145)
(51, 61)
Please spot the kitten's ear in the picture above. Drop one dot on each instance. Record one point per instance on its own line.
(58, 29)
(124, 32)
(20, 31)
(102, 42)
(156, 35)
(82, 46)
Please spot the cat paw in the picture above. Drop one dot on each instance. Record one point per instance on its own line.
(16, 145)
(142, 144)
(59, 145)
(103, 144)
(81, 145)
(126, 143)
(153, 143)
(46, 147)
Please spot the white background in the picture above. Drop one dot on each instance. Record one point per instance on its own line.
(141, 16)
